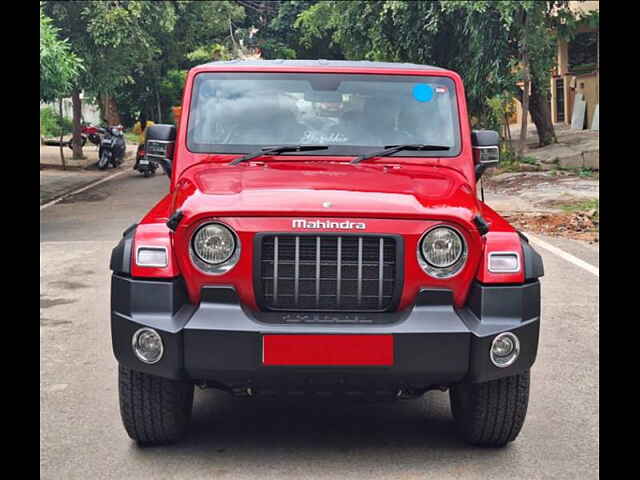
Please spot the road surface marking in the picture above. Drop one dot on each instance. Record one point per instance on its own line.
(87, 187)
(567, 256)
(66, 242)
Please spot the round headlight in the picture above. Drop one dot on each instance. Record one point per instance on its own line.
(214, 243)
(442, 247)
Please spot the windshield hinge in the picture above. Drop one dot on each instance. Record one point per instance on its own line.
(481, 224)
(174, 220)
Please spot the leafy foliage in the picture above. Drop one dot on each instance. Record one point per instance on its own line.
(51, 124)
(59, 67)
(138, 52)
(417, 32)
(129, 46)
(481, 40)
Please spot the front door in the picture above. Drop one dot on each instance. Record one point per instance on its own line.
(560, 100)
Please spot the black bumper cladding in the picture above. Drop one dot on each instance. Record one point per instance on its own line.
(220, 343)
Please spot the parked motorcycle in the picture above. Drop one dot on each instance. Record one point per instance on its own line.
(146, 166)
(91, 133)
(112, 148)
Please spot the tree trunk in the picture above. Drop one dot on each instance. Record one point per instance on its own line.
(143, 119)
(159, 107)
(525, 94)
(109, 110)
(64, 165)
(541, 114)
(77, 124)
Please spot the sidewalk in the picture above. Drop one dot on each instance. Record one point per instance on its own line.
(50, 155)
(575, 148)
(55, 182)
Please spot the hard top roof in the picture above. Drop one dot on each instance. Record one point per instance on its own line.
(324, 63)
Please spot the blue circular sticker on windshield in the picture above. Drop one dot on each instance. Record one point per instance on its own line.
(423, 92)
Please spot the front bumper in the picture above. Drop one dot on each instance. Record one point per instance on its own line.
(219, 343)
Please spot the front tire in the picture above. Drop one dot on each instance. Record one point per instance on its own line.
(491, 413)
(154, 410)
(103, 162)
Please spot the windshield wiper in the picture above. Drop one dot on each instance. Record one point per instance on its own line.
(389, 149)
(278, 149)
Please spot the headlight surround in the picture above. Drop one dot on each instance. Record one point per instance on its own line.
(442, 252)
(214, 248)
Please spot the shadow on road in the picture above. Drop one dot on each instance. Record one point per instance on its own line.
(251, 430)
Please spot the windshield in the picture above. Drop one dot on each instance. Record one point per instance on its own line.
(351, 114)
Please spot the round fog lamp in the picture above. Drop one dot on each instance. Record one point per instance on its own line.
(147, 345)
(505, 349)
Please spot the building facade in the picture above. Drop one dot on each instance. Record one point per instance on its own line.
(576, 72)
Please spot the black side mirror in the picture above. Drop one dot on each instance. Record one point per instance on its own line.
(486, 150)
(160, 144)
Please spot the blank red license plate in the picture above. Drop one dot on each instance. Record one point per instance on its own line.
(327, 350)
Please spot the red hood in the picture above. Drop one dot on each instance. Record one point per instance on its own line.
(326, 190)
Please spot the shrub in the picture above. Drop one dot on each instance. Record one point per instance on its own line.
(50, 123)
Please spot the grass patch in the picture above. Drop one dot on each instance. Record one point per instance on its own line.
(515, 165)
(588, 173)
(582, 206)
(579, 172)
(132, 137)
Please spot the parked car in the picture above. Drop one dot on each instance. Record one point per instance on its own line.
(322, 234)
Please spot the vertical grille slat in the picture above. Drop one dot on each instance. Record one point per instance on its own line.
(339, 270)
(318, 256)
(275, 270)
(380, 272)
(359, 270)
(296, 274)
(327, 272)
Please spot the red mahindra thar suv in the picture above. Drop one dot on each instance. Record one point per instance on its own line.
(323, 234)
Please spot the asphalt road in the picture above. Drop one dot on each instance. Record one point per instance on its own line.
(81, 435)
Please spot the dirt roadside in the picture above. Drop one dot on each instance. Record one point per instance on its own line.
(555, 203)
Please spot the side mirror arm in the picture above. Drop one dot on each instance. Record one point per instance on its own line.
(165, 163)
(480, 169)
(160, 145)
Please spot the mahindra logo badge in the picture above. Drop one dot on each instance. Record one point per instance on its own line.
(312, 224)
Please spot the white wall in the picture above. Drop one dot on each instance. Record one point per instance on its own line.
(90, 111)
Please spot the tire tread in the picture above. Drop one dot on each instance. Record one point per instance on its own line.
(491, 413)
(154, 410)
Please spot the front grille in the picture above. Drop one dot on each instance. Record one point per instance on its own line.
(327, 272)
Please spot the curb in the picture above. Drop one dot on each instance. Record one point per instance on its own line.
(128, 155)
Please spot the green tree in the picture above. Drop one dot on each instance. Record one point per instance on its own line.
(487, 42)
(200, 34)
(112, 38)
(59, 68)
(417, 32)
(530, 31)
(277, 38)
